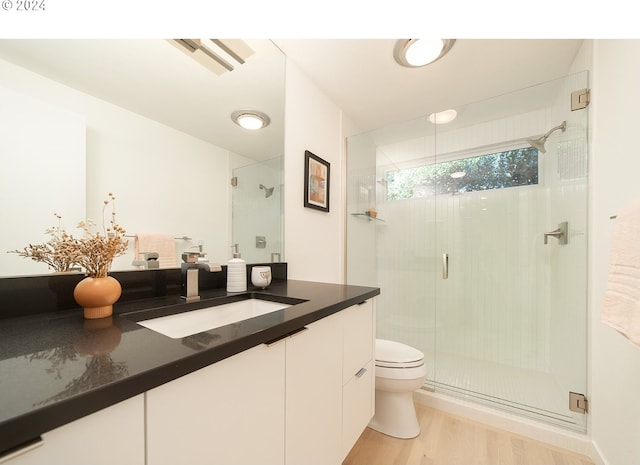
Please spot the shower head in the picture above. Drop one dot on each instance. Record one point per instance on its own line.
(540, 141)
(267, 190)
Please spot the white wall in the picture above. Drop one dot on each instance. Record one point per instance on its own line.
(314, 240)
(615, 363)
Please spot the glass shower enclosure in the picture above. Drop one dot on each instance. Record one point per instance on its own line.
(476, 233)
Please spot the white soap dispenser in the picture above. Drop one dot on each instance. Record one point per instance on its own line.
(236, 272)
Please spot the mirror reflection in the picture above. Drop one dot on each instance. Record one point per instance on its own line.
(149, 122)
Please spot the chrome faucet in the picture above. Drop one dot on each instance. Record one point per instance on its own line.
(190, 274)
(190, 271)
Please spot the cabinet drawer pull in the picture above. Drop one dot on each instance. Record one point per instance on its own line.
(298, 331)
(361, 372)
(22, 450)
(284, 336)
(276, 340)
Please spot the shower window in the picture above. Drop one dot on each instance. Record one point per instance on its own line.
(511, 168)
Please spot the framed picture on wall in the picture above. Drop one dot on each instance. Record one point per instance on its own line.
(316, 182)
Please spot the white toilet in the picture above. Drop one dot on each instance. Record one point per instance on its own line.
(399, 371)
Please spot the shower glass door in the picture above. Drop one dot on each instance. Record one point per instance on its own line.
(457, 246)
(393, 248)
(257, 221)
(512, 314)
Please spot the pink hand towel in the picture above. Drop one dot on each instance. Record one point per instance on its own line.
(163, 244)
(622, 298)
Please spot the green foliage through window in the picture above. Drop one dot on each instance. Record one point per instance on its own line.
(493, 171)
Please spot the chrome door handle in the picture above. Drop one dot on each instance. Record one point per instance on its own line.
(445, 266)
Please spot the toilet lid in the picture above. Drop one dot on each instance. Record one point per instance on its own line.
(397, 355)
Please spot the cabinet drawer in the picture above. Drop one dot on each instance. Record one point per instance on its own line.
(359, 337)
(109, 436)
(229, 413)
(357, 404)
(314, 394)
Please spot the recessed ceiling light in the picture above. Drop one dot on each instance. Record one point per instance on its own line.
(443, 117)
(250, 119)
(414, 53)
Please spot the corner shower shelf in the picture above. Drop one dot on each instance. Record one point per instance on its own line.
(369, 217)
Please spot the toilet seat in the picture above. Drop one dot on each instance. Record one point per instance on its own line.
(391, 354)
(414, 364)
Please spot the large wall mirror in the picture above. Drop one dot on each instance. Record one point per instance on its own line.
(149, 121)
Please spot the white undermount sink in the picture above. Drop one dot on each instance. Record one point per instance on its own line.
(205, 319)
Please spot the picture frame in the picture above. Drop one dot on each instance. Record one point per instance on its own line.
(316, 182)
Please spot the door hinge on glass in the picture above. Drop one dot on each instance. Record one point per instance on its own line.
(578, 402)
(580, 99)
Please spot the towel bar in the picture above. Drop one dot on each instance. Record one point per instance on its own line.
(183, 238)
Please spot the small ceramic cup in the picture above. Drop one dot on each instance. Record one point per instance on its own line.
(261, 276)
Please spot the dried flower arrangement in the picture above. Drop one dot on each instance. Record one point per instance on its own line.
(94, 251)
(97, 250)
(60, 252)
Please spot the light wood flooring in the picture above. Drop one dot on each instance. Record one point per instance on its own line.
(447, 440)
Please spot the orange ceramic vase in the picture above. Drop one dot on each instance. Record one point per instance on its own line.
(97, 296)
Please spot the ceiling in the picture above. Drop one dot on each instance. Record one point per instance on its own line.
(358, 75)
(361, 76)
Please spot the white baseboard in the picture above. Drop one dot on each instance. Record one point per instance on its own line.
(550, 434)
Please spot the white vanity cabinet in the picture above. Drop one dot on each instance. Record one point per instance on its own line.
(231, 412)
(358, 377)
(302, 400)
(114, 435)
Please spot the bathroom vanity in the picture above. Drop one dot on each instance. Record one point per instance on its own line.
(291, 386)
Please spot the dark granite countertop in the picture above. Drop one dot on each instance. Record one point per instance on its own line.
(57, 367)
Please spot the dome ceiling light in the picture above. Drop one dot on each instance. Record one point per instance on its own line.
(250, 119)
(414, 53)
(443, 117)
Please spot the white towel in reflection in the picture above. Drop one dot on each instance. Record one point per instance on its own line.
(622, 298)
(163, 244)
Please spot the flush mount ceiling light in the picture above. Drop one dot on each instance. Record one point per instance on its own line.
(414, 53)
(443, 117)
(250, 119)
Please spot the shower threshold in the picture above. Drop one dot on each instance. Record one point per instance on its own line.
(506, 405)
